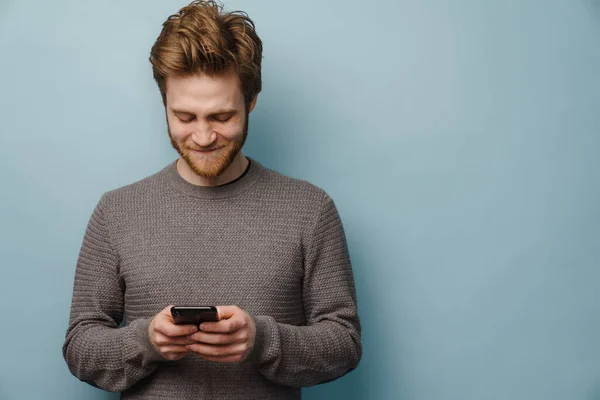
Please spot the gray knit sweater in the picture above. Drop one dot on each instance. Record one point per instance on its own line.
(270, 244)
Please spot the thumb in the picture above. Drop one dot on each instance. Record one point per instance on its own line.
(167, 310)
(226, 312)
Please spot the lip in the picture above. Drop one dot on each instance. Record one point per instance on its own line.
(206, 151)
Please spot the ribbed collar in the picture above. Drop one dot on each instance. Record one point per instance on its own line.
(214, 192)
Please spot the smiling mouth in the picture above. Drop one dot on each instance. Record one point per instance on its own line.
(205, 151)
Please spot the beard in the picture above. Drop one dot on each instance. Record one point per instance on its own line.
(212, 165)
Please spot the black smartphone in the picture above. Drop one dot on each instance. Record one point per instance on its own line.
(194, 315)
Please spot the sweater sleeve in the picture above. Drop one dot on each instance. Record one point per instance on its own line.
(328, 346)
(96, 349)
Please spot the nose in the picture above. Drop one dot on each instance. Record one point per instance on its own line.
(203, 135)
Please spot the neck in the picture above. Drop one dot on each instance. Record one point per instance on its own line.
(235, 169)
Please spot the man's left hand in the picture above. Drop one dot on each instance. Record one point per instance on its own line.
(231, 339)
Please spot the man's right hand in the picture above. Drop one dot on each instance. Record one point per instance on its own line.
(167, 338)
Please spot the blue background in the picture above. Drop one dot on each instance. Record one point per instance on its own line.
(459, 139)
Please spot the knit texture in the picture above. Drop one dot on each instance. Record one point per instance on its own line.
(270, 244)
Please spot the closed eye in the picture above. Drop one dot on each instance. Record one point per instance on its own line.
(222, 119)
(186, 118)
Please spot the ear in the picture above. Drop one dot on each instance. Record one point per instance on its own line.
(252, 103)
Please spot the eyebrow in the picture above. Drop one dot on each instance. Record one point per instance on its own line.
(218, 112)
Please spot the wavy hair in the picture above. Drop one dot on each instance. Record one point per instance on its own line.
(201, 38)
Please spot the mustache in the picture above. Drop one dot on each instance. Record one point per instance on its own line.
(202, 148)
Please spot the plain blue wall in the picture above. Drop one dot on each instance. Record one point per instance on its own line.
(460, 140)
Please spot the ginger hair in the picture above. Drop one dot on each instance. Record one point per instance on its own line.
(203, 39)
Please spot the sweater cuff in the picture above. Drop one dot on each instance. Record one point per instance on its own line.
(139, 346)
(262, 339)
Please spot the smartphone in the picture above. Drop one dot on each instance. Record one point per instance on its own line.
(194, 315)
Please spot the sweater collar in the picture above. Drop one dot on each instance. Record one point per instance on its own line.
(214, 192)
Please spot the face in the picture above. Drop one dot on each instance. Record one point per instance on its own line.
(207, 121)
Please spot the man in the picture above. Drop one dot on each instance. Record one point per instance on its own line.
(212, 228)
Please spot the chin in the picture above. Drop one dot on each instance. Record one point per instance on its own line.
(210, 169)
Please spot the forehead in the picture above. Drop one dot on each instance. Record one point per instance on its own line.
(203, 93)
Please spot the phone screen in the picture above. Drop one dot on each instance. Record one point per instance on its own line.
(194, 315)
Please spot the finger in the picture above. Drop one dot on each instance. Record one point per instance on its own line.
(173, 349)
(163, 340)
(169, 329)
(219, 338)
(175, 353)
(234, 323)
(216, 351)
(180, 340)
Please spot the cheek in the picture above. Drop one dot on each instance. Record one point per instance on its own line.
(178, 132)
(230, 131)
